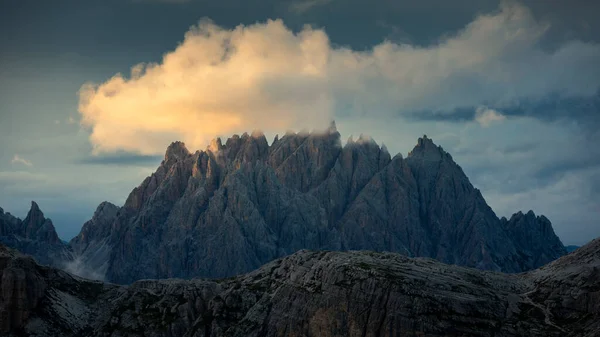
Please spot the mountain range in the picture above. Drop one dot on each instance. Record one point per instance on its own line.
(237, 205)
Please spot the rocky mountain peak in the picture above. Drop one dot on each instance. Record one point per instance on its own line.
(215, 145)
(366, 139)
(176, 151)
(534, 237)
(426, 149)
(106, 209)
(35, 235)
(332, 127)
(94, 233)
(526, 218)
(35, 208)
(33, 221)
(37, 227)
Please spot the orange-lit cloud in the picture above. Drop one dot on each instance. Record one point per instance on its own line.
(215, 83)
(264, 76)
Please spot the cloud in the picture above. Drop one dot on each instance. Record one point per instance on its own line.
(485, 116)
(264, 76)
(19, 160)
(162, 1)
(20, 176)
(81, 269)
(303, 6)
(216, 82)
(122, 159)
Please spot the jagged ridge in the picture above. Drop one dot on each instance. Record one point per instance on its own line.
(35, 235)
(235, 206)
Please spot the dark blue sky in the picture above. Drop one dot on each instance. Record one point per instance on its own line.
(522, 122)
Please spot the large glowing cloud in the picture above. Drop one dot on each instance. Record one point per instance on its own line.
(265, 76)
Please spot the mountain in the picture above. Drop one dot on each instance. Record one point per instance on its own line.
(36, 236)
(90, 246)
(534, 238)
(571, 248)
(237, 205)
(311, 293)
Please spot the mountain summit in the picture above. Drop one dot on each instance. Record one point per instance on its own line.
(35, 235)
(239, 204)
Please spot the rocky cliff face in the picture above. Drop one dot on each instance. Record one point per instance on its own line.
(235, 206)
(92, 246)
(534, 238)
(311, 293)
(35, 235)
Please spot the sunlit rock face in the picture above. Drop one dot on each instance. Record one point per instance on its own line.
(241, 203)
(311, 293)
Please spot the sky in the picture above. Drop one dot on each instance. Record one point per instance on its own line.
(92, 92)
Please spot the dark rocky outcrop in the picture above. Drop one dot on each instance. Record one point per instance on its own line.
(36, 236)
(311, 293)
(235, 206)
(534, 238)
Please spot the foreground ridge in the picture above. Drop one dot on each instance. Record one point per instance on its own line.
(311, 293)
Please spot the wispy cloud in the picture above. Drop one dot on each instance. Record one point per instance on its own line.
(486, 116)
(20, 160)
(20, 176)
(300, 7)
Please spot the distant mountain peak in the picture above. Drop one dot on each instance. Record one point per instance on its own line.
(105, 207)
(426, 148)
(35, 208)
(34, 235)
(427, 151)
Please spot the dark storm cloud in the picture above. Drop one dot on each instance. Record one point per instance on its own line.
(121, 159)
(458, 115)
(552, 108)
(586, 161)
